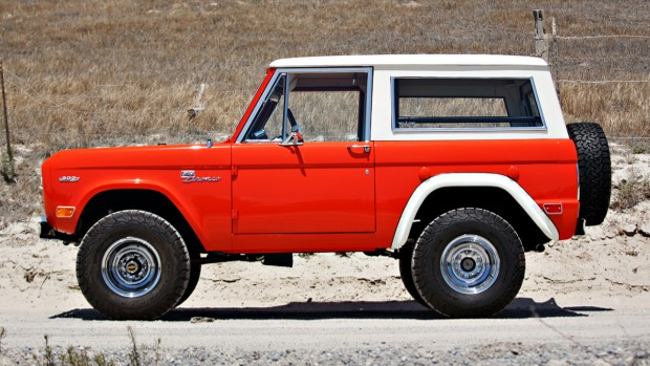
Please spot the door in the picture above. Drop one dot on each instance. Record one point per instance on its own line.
(302, 164)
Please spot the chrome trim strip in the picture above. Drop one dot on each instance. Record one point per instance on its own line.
(539, 106)
(475, 129)
(325, 69)
(280, 71)
(367, 123)
(260, 101)
(285, 105)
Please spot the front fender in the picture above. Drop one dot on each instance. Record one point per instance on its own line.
(191, 206)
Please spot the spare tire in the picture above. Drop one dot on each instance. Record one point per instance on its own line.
(595, 170)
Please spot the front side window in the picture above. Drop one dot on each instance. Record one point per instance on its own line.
(321, 106)
(464, 103)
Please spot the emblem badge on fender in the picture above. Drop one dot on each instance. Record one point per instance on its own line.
(68, 179)
(189, 176)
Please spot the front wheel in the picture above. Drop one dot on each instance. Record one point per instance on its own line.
(133, 265)
(195, 275)
(468, 262)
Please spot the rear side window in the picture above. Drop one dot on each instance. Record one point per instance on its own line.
(464, 104)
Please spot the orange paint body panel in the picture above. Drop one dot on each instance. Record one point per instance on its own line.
(314, 188)
(275, 220)
(309, 198)
(206, 206)
(547, 171)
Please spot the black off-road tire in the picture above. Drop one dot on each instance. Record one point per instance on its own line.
(595, 169)
(195, 274)
(478, 232)
(406, 272)
(117, 262)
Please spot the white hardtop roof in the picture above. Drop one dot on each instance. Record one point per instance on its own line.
(409, 60)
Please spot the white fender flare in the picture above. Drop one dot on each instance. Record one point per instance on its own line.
(471, 180)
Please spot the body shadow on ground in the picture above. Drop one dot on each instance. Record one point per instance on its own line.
(520, 308)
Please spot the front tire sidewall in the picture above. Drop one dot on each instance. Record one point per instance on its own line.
(173, 266)
(439, 295)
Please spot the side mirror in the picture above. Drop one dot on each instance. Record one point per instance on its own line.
(294, 139)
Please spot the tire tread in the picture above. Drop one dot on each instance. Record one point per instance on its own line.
(118, 221)
(424, 252)
(594, 163)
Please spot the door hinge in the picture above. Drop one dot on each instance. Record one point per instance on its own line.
(234, 171)
(235, 214)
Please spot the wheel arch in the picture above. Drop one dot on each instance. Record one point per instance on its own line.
(493, 192)
(105, 202)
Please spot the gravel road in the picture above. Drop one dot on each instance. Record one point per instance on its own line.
(359, 333)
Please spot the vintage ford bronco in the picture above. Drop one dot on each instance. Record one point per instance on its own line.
(456, 165)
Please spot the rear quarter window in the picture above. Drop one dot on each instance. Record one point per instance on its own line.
(456, 104)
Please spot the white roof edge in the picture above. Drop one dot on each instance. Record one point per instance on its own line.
(409, 60)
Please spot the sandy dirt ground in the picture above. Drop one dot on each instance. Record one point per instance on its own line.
(40, 275)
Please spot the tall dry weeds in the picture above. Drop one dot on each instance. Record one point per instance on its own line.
(96, 72)
(3, 334)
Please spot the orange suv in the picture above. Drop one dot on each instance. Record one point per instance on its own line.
(456, 165)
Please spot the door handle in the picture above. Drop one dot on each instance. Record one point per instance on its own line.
(366, 148)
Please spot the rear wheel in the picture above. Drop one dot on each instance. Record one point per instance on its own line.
(406, 272)
(133, 265)
(468, 262)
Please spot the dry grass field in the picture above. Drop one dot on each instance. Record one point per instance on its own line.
(98, 72)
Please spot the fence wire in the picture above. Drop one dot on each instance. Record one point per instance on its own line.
(569, 81)
(554, 38)
(571, 38)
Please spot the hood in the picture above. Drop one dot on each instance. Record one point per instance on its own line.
(142, 157)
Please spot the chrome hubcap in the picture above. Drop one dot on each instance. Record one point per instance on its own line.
(131, 267)
(470, 264)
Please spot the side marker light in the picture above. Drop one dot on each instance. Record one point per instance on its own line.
(64, 211)
(553, 208)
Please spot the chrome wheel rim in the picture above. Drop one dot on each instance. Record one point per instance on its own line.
(470, 264)
(131, 267)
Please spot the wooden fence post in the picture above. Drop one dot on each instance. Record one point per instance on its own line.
(541, 42)
(555, 51)
(8, 170)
